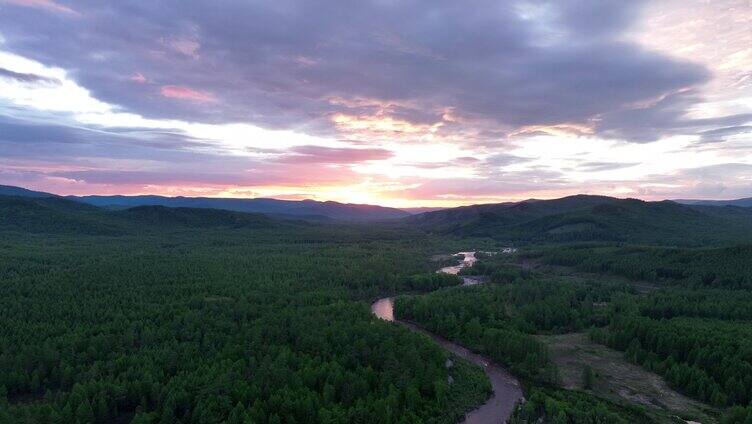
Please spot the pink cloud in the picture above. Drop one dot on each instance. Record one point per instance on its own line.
(465, 160)
(48, 5)
(185, 93)
(138, 77)
(185, 46)
(320, 154)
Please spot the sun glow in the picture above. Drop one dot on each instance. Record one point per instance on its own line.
(369, 146)
(383, 125)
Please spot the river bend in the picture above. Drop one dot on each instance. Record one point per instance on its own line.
(506, 389)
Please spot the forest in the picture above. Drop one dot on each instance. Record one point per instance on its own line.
(719, 267)
(263, 325)
(500, 320)
(185, 315)
(698, 338)
(707, 358)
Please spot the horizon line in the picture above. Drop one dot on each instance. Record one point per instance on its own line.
(302, 199)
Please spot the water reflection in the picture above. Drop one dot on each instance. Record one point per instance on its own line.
(469, 260)
(384, 308)
(506, 389)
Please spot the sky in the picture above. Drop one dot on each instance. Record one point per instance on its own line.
(401, 103)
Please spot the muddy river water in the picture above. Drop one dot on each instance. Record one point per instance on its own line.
(506, 388)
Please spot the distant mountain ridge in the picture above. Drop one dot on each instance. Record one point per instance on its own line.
(422, 209)
(6, 190)
(58, 215)
(301, 209)
(594, 218)
(744, 203)
(291, 208)
(579, 217)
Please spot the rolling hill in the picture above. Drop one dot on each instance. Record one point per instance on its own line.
(744, 203)
(163, 216)
(594, 218)
(54, 215)
(57, 215)
(296, 209)
(573, 218)
(287, 208)
(6, 190)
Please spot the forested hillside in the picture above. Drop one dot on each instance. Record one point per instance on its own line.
(501, 319)
(307, 209)
(694, 331)
(292, 208)
(213, 316)
(6, 190)
(164, 315)
(498, 319)
(728, 267)
(54, 215)
(745, 202)
(594, 218)
(57, 215)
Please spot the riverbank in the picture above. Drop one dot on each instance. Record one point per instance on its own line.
(507, 391)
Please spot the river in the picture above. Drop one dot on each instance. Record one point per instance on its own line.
(506, 388)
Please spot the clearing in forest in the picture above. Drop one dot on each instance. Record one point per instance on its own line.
(617, 379)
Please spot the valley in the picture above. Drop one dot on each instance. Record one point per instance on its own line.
(506, 389)
(208, 315)
(375, 212)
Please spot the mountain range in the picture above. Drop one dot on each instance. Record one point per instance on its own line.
(582, 218)
(745, 202)
(594, 218)
(304, 209)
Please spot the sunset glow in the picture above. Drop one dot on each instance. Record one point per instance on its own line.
(414, 109)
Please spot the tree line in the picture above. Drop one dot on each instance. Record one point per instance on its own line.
(726, 267)
(210, 326)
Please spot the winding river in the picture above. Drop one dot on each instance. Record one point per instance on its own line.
(506, 388)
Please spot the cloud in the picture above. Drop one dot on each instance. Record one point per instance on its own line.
(467, 160)
(504, 99)
(280, 66)
(137, 77)
(504, 159)
(604, 166)
(719, 181)
(27, 133)
(77, 159)
(185, 46)
(146, 177)
(661, 117)
(48, 5)
(27, 77)
(185, 93)
(319, 154)
(718, 135)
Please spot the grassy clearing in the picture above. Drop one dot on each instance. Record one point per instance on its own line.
(616, 379)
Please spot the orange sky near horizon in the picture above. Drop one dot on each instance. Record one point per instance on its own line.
(650, 100)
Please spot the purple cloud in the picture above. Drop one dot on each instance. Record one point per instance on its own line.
(279, 64)
(365, 77)
(27, 77)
